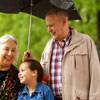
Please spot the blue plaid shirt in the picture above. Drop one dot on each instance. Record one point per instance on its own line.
(56, 64)
(42, 92)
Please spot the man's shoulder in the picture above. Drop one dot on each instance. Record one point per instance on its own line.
(86, 37)
(83, 36)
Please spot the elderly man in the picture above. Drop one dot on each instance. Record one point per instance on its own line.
(70, 60)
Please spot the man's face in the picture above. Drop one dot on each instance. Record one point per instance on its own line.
(55, 26)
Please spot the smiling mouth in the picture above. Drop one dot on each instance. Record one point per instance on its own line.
(20, 78)
(8, 58)
(53, 33)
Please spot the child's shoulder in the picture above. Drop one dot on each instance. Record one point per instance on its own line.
(44, 87)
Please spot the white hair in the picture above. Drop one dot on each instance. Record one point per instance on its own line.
(4, 39)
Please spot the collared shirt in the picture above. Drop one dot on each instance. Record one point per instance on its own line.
(42, 92)
(56, 64)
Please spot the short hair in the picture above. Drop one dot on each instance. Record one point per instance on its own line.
(35, 65)
(7, 37)
(57, 11)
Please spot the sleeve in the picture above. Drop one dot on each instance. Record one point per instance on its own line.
(94, 93)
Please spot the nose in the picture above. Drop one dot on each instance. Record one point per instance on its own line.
(49, 29)
(19, 74)
(9, 53)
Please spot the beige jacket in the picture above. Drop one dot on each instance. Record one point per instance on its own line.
(80, 68)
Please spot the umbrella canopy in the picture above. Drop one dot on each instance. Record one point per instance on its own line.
(40, 7)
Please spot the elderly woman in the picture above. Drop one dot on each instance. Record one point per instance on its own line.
(9, 83)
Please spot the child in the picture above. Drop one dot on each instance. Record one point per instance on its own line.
(30, 74)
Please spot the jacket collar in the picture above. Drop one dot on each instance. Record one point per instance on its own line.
(76, 40)
(75, 37)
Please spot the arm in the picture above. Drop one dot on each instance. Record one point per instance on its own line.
(94, 93)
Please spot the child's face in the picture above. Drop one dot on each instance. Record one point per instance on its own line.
(25, 75)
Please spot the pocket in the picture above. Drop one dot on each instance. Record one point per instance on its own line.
(80, 58)
(80, 55)
(78, 98)
(81, 98)
(81, 74)
(82, 95)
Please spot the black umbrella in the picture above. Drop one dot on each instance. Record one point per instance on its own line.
(40, 7)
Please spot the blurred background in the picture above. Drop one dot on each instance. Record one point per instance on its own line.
(18, 26)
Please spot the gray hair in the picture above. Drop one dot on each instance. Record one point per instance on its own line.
(59, 12)
(4, 39)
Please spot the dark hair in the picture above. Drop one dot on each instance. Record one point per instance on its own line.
(35, 65)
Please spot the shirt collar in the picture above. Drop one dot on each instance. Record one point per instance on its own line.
(37, 89)
(66, 40)
(24, 90)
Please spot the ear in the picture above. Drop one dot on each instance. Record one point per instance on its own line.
(64, 20)
(34, 73)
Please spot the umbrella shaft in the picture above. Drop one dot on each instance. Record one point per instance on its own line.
(30, 26)
(29, 32)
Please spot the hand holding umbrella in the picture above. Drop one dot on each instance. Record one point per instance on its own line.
(28, 55)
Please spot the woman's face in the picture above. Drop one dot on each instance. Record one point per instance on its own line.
(8, 53)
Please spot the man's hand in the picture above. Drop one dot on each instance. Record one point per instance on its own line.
(27, 55)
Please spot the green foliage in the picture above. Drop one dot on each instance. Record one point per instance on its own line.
(88, 10)
(18, 26)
